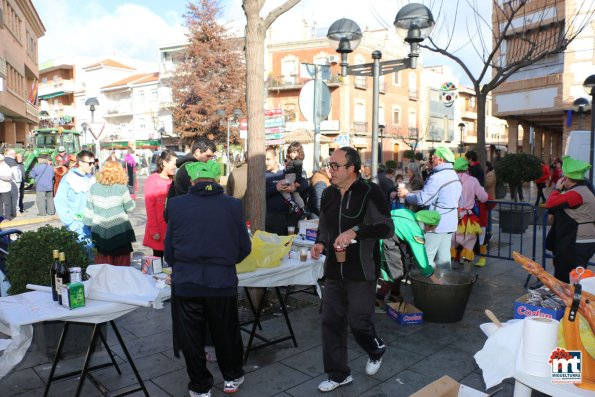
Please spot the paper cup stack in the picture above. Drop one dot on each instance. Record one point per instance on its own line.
(540, 337)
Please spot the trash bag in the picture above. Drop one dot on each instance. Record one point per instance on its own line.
(268, 249)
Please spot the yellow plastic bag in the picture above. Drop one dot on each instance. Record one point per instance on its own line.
(268, 249)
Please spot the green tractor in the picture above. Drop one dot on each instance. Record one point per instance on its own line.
(47, 142)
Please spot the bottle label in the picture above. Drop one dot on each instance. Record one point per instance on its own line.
(58, 284)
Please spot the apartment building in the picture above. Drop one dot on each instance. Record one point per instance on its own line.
(537, 100)
(20, 30)
(350, 118)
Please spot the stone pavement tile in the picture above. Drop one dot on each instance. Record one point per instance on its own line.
(361, 383)
(145, 346)
(282, 395)
(401, 384)
(269, 381)
(450, 361)
(310, 362)
(24, 382)
(73, 364)
(152, 389)
(429, 339)
(395, 360)
(175, 383)
(475, 380)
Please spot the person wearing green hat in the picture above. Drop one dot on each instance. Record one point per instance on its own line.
(206, 236)
(468, 228)
(572, 235)
(440, 193)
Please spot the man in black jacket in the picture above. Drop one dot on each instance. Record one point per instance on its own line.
(203, 248)
(203, 149)
(353, 217)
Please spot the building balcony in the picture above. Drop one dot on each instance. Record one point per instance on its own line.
(32, 111)
(118, 111)
(360, 127)
(56, 86)
(413, 132)
(413, 94)
(294, 82)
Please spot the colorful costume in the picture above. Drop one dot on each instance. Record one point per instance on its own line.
(468, 228)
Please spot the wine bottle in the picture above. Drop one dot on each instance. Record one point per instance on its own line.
(53, 271)
(62, 276)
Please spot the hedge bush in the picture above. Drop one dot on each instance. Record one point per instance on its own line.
(30, 257)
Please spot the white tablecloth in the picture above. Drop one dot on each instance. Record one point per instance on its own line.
(290, 272)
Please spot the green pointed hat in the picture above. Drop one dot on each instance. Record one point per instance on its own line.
(461, 164)
(199, 170)
(428, 217)
(445, 153)
(573, 168)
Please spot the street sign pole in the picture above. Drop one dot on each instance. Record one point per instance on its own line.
(317, 107)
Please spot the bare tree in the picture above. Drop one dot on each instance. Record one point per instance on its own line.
(256, 28)
(529, 33)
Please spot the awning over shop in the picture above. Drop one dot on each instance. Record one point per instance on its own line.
(52, 95)
(145, 144)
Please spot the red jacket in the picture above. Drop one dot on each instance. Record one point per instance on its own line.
(155, 194)
(545, 174)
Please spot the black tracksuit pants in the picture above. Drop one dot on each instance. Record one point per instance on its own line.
(348, 303)
(220, 314)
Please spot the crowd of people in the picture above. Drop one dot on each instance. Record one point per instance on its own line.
(440, 208)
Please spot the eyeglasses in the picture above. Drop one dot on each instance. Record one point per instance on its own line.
(335, 166)
(88, 162)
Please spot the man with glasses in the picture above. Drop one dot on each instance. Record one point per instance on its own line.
(71, 197)
(353, 217)
(441, 193)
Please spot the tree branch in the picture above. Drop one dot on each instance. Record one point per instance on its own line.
(277, 12)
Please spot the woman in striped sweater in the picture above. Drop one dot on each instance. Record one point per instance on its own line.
(108, 205)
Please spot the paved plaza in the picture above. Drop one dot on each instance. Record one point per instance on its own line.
(416, 354)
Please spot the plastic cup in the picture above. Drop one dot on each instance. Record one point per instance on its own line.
(303, 254)
(290, 230)
(341, 254)
(400, 186)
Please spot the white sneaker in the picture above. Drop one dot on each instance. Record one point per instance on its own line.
(372, 366)
(195, 394)
(330, 385)
(232, 386)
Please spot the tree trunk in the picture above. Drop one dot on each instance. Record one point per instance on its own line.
(255, 192)
(481, 127)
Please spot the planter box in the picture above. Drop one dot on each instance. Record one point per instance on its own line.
(515, 221)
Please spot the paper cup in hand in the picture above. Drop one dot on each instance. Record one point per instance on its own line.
(341, 254)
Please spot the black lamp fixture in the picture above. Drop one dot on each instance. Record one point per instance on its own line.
(92, 103)
(589, 86)
(413, 23)
(580, 105)
(462, 142)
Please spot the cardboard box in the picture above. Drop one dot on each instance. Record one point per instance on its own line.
(151, 265)
(523, 309)
(73, 295)
(447, 387)
(404, 313)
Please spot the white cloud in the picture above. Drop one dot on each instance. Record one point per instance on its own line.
(128, 30)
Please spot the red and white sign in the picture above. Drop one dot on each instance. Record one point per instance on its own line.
(96, 129)
(274, 142)
(273, 112)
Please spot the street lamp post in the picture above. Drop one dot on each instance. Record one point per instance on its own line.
(461, 142)
(92, 103)
(589, 86)
(580, 106)
(413, 23)
(237, 113)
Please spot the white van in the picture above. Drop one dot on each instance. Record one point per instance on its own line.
(578, 145)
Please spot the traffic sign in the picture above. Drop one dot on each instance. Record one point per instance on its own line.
(274, 136)
(274, 142)
(96, 129)
(307, 101)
